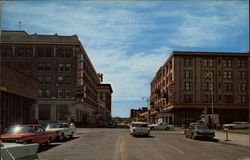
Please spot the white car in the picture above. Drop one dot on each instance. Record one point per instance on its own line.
(63, 130)
(237, 125)
(139, 129)
(161, 126)
(10, 151)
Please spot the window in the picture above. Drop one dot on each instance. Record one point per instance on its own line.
(60, 53)
(241, 63)
(208, 62)
(242, 75)
(68, 67)
(59, 93)
(40, 93)
(208, 74)
(60, 67)
(227, 63)
(48, 67)
(188, 86)
(228, 99)
(20, 66)
(40, 67)
(40, 52)
(227, 74)
(27, 66)
(28, 52)
(6, 52)
(47, 79)
(20, 52)
(242, 99)
(47, 93)
(228, 87)
(207, 99)
(48, 52)
(188, 74)
(242, 87)
(40, 79)
(67, 80)
(187, 62)
(188, 98)
(68, 53)
(60, 79)
(208, 86)
(67, 93)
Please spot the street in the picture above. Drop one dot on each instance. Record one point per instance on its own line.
(118, 144)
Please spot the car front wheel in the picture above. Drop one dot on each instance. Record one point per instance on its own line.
(48, 142)
(61, 137)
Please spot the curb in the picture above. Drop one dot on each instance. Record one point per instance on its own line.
(231, 143)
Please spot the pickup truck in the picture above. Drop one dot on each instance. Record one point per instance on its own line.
(62, 130)
(28, 133)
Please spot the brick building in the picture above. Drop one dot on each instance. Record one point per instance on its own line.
(18, 95)
(138, 114)
(104, 92)
(188, 84)
(67, 79)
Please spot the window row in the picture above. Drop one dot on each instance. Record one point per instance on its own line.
(188, 98)
(39, 52)
(209, 62)
(48, 67)
(60, 93)
(209, 86)
(60, 80)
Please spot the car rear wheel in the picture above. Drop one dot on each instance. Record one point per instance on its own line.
(167, 128)
(71, 136)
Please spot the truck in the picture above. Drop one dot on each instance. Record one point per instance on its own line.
(208, 119)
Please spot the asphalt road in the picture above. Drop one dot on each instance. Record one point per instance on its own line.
(118, 144)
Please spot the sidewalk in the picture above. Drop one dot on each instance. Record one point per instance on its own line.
(238, 139)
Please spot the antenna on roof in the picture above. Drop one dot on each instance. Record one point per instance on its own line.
(19, 25)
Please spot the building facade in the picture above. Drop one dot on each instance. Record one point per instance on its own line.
(18, 96)
(104, 92)
(67, 79)
(189, 84)
(138, 114)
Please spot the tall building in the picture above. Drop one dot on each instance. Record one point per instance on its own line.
(67, 79)
(189, 84)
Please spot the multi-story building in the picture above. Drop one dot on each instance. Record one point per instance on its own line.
(104, 92)
(138, 114)
(189, 84)
(18, 94)
(67, 79)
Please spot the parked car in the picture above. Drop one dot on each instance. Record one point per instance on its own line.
(198, 130)
(161, 126)
(139, 129)
(62, 130)
(30, 133)
(10, 151)
(237, 125)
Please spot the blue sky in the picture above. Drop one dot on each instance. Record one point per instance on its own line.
(128, 41)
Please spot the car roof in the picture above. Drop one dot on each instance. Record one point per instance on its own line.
(27, 125)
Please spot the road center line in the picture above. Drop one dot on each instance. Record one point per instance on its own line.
(176, 149)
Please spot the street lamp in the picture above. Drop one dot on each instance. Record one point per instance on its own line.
(210, 74)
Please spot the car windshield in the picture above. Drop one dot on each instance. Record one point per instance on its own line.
(18, 129)
(54, 126)
(201, 127)
(141, 125)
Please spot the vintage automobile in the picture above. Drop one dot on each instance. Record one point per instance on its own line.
(10, 151)
(237, 125)
(28, 133)
(63, 130)
(139, 129)
(198, 130)
(161, 126)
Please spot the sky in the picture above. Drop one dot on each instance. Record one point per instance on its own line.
(128, 41)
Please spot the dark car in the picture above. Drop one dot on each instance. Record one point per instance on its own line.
(197, 130)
